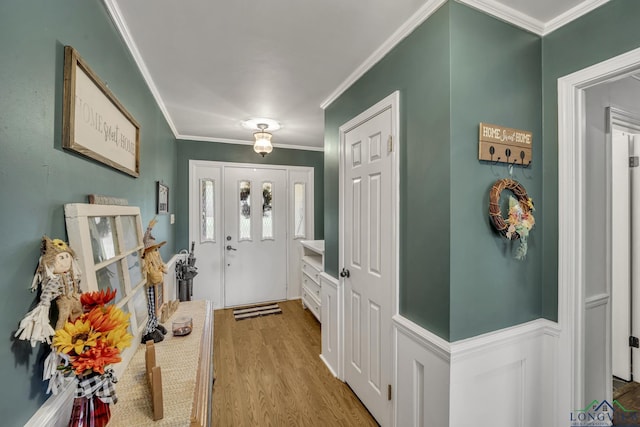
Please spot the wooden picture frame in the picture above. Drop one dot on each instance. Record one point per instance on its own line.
(94, 123)
(162, 198)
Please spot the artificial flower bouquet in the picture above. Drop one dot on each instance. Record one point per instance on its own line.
(520, 221)
(96, 338)
(84, 349)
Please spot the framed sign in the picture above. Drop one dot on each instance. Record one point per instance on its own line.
(94, 123)
(163, 198)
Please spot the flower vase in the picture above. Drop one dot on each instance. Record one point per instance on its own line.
(89, 412)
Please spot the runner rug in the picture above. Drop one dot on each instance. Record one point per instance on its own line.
(256, 311)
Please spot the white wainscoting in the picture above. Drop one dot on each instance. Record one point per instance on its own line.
(422, 369)
(56, 410)
(170, 281)
(331, 330)
(504, 378)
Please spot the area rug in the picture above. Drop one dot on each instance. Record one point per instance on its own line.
(256, 311)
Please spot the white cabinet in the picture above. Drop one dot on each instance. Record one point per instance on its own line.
(312, 266)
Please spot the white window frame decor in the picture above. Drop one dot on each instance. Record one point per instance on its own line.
(77, 217)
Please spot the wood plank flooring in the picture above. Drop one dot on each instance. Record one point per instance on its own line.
(268, 373)
(628, 396)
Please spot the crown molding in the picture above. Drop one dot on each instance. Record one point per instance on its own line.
(243, 142)
(400, 34)
(505, 13)
(118, 20)
(572, 14)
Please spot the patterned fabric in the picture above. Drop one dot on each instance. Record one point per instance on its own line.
(152, 323)
(101, 386)
(59, 284)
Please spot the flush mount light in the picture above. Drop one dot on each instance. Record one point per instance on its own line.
(262, 145)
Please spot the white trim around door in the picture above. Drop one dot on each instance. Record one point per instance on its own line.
(215, 279)
(391, 145)
(571, 220)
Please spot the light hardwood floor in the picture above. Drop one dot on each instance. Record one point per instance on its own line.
(268, 373)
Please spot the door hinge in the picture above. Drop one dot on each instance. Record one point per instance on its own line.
(634, 162)
(634, 342)
(389, 392)
(390, 144)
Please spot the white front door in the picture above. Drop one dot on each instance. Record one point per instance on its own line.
(255, 244)
(368, 255)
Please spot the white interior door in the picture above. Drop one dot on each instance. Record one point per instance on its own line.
(255, 244)
(621, 254)
(369, 257)
(634, 182)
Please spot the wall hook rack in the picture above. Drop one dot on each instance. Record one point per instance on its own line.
(512, 146)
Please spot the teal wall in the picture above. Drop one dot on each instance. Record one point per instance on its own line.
(600, 35)
(38, 177)
(496, 78)
(220, 152)
(461, 67)
(419, 68)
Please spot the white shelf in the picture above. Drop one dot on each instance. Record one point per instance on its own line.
(312, 266)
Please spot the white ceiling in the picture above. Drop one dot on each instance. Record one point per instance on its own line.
(212, 64)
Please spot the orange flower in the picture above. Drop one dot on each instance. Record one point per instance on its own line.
(91, 299)
(95, 359)
(103, 319)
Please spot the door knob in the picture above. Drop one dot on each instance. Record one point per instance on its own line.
(345, 273)
(231, 248)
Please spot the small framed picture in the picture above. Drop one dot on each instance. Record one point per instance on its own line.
(163, 198)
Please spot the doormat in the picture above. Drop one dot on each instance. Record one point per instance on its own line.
(256, 311)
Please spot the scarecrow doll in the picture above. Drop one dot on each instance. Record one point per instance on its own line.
(155, 270)
(58, 276)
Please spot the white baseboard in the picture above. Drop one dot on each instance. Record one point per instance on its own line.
(504, 378)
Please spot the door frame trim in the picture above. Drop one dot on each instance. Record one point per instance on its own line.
(194, 164)
(391, 102)
(571, 219)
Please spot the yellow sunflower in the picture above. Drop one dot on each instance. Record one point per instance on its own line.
(75, 336)
(118, 338)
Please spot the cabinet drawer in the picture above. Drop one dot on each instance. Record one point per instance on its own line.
(312, 286)
(310, 302)
(311, 270)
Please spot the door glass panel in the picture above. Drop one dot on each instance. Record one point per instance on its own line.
(125, 310)
(129, 229)
(207, 219)
(267, 211)
(135, 269)
(140, 306)
(103, 238)
(245, 211)
(111, 277)
(299, 214)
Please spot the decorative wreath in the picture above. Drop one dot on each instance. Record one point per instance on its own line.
(520, 219)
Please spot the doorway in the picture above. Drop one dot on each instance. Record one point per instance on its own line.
(241, 218)
(577, 372)
(369, 252)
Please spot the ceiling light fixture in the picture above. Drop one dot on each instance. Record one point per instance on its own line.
(262, 145)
